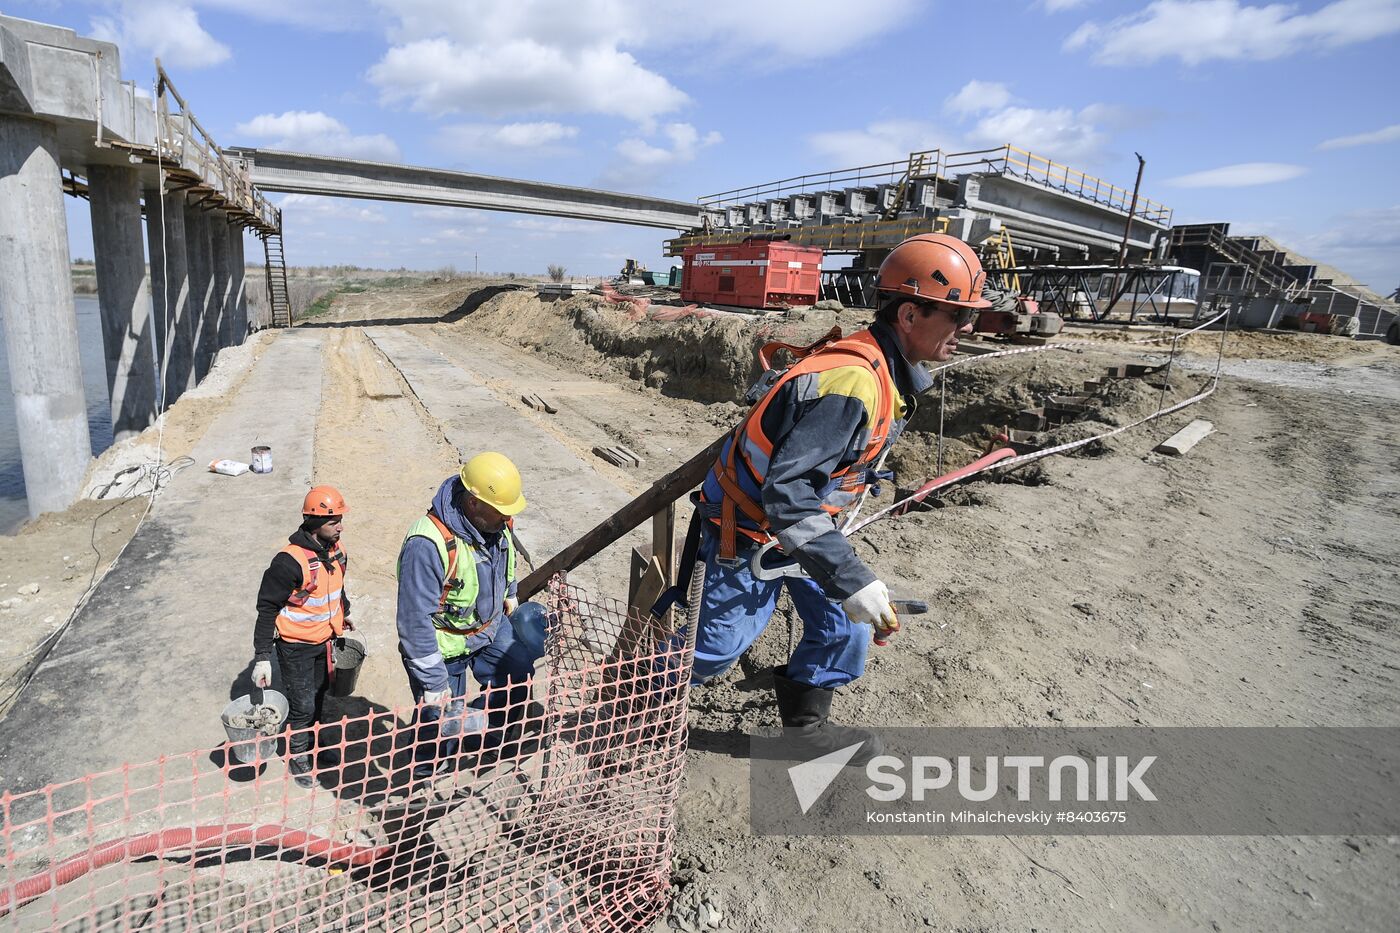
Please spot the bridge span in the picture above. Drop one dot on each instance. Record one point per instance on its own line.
(331, 176)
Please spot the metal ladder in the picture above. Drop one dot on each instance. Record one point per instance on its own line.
(276, 267)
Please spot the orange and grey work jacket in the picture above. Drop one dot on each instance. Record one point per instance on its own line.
(808, 448)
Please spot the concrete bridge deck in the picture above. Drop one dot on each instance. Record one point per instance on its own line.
(380, 181)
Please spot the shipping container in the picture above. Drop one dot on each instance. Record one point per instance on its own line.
(757, 273)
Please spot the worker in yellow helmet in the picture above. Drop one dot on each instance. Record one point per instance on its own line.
(457, 610)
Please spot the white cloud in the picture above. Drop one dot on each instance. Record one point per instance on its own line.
(1056, 6)
(318, 133)
(1063, 135)
(881, 141)
(982, 116)
(1387, 134)
(165, 29)
(443, 75)
(978, 96)
(1197, 31)
(548, 227)
(1242, 175)
(471, 234)
(510, 137)
(554, 57)
(642, 162)
(456, 214)
(334, 209)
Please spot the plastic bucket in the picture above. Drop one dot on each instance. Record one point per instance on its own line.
(262, 460)
(254, 745)
(347, 654)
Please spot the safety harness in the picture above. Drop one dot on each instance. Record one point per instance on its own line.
(313, 565)
(837, 352)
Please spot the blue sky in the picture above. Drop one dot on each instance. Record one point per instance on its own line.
(1282, 119)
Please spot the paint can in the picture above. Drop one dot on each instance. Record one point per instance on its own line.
(262, 459)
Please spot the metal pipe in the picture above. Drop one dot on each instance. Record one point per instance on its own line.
(1128, 224)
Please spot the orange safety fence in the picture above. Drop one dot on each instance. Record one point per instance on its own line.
(557, 814)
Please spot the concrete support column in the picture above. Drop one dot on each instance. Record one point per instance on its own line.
(165, 224)
(240, 287)
(220, 317)
(155, 248)
(201, 291)
(123, 297)
(39, 317)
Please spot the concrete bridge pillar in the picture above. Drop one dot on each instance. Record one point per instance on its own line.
(170, 283)
(39, 317)
(198, 330)
(123, 297)
(219, 252)
(240, 286)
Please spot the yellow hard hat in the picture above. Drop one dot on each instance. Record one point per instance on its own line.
(493, 479)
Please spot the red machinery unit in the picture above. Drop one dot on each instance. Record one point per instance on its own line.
(757, 273)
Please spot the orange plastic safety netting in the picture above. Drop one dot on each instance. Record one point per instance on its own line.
(557, 813)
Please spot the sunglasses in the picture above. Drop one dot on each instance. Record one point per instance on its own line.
(961, 316)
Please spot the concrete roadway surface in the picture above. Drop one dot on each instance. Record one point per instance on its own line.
(165, 641)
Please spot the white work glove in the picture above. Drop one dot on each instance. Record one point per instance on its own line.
(871, 605)
(512, 604)
(262, 674)
(437, 697)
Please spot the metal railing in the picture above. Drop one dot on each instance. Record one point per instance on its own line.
(1010, 160)
(186, 147)
(832, 238)
(918, 165)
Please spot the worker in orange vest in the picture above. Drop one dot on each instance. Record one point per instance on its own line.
(808, 448)
(303, 606)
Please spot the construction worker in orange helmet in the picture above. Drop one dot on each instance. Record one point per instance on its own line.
(807, 448)
(457, 611)
(303, 605)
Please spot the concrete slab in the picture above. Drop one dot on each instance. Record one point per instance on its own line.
(566, 496)
(155, 654)
(1182, 441)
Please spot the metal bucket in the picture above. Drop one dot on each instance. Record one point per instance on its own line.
(347, 654)
(253, 745)
(262, 459)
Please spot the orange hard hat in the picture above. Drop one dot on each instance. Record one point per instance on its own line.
(935, 267)
(324, 500)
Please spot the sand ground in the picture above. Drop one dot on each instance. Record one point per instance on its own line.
(1249, 583)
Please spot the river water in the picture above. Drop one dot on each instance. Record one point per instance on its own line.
(13, 509)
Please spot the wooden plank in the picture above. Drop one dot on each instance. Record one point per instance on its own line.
(663, 546)
(1188, 437)
(667, 489)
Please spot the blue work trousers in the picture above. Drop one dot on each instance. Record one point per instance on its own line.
(498, 660)
(736, 608)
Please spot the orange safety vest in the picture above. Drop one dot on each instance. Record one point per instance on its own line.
(315, 612)
(749, 442)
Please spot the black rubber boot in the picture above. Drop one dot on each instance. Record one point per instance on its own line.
(300, 768)
(805, 711)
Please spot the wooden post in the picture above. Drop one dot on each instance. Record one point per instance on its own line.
(663, 492)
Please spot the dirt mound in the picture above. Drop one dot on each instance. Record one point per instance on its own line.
(712, 358)
(709, 357)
